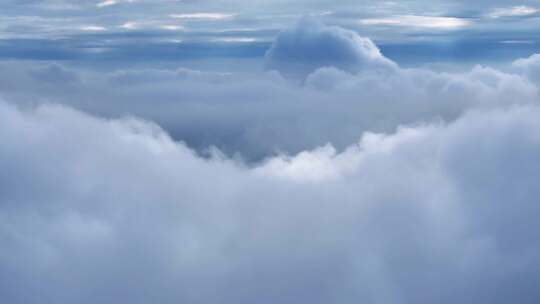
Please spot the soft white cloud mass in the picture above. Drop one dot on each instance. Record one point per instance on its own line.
(95, 210)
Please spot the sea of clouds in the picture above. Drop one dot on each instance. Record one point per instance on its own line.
(336, 176)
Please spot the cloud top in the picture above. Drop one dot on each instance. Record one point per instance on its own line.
(310, 45)
(115, 209)
(530, 67)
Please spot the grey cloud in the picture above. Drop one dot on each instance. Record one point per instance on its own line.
(310, 45)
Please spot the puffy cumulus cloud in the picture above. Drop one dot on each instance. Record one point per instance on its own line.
(530, 66)
(310, 45)
(95, 210)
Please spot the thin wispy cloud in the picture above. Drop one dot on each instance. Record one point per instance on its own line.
(516, 11)
(203, 16)
(429, 22)
(93, 28)
(172, 27)
(106, 3)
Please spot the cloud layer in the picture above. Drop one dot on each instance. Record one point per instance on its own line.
(111, 209)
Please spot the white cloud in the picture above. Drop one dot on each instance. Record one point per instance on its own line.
(151, 24)
(429, 22)
(106, 3)
(172, 27)
(93, 28)
(210, 16)
(103, 200)
(130, 25)
(516, 11)
(235, 39)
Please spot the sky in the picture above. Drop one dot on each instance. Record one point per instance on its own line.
(227, 151)
(176, 31)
